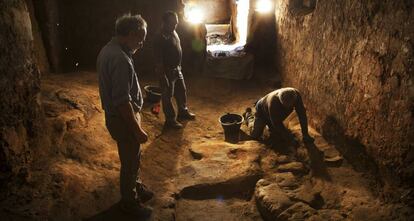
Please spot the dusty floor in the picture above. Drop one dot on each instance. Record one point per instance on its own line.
(193, 172)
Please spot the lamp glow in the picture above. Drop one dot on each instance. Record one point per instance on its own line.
(193, 15)
(264, 6)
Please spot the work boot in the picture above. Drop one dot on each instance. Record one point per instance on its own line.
(143, 193)
(173, 124)
(135, 209)
(186, 115)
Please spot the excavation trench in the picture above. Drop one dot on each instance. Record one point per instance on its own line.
(194, 173)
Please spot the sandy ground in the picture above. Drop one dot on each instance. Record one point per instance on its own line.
(75, 173)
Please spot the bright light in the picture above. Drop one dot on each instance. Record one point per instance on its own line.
(193, 14)
(242, 19)
(264, 6)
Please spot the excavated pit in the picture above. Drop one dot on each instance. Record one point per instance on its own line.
(194, 173)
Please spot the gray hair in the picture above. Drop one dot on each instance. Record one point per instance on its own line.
(128, 23)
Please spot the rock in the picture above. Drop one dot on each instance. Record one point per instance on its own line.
(271, 200)
(294, 167)
(287, 180)
(282, 159)
(332, 157)
(164, 214)
(216, 209)
(327, 215)
(263, 182)
(167, 202)
(308, 194)
(302, 154)
(334, 161)
(195, 155)
(235, 153)
(298, 211)
(270, 160)
(225, 170)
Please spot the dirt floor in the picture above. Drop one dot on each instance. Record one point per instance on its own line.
(194, 173)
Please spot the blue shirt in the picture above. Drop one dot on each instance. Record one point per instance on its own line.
(118, 81)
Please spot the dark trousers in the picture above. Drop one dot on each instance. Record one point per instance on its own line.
(173, 85)
(129, 155)
(256, 125)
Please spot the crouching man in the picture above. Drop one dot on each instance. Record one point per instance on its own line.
(122, 101)
(272, 110)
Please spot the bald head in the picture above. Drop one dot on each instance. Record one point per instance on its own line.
(288, 97)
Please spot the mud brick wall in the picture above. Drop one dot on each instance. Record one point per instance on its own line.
(353, 62)
(19, 85)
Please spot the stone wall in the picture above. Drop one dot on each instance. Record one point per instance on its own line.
(39, 47)
(19, 83)
(353, 63)
(45, 16)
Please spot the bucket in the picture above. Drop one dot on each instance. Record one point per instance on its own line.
(231, 125)
(152, 93)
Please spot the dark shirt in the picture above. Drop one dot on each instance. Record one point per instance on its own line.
(274, 112)
(167, 50)
(118, 81)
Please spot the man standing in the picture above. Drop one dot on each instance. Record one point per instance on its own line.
(273, 109)
(122, 101)
(168, 55)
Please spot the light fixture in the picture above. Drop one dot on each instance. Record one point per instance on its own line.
(264, 6)
(193, 14)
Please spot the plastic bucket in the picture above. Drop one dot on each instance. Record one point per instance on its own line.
(152, 93)
(231, 125)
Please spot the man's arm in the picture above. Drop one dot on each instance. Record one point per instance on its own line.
(276, 121)
(121, 98)
(133, 122)
(303, 120)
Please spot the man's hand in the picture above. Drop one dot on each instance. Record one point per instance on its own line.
(133, 122)
(307, 139)
(141, 135)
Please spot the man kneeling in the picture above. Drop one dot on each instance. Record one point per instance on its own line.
(272, 110)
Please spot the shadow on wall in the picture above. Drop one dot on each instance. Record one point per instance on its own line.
(301, 7)
(350, 148)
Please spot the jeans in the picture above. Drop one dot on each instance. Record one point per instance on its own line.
(257, 122)
(173, 85)
(129, 154)
(256, 125)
